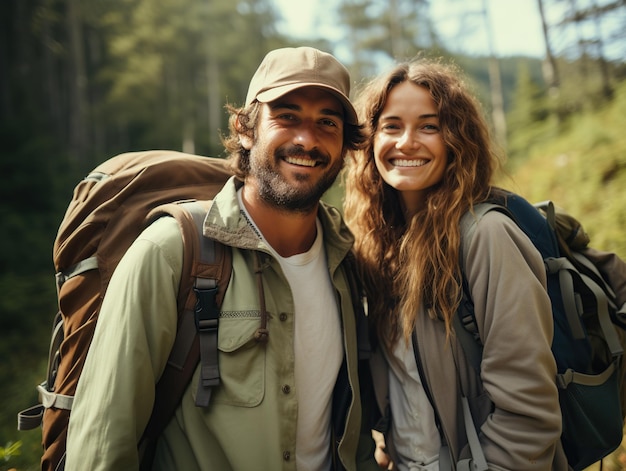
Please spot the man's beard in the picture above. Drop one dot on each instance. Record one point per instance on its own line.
(279, 193)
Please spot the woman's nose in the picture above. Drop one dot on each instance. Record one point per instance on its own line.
(408, 141)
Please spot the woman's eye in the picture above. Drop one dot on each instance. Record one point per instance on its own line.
(389, 127)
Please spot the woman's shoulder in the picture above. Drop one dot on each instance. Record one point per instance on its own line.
(497, 236)
(495, 220)
(487, 222)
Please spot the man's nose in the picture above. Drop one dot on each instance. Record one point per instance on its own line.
(305, 136)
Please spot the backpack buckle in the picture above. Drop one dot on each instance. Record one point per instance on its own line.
(206, 312)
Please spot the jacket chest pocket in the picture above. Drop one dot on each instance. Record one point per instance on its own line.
(241, 361)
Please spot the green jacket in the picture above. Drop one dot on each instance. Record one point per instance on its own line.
(251, 421)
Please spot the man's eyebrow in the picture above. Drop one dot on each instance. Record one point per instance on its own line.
(277, 105)
(331, 112)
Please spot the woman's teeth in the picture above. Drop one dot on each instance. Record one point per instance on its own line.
(408, 162)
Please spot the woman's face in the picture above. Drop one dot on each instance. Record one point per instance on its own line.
(409, 150)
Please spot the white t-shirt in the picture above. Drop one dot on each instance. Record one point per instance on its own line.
(318, 346)
(414, 430)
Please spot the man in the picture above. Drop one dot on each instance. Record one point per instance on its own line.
(292, 401)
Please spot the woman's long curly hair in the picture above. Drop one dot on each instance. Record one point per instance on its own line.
(405, 264)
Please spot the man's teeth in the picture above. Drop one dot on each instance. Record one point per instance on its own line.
(299, 161)
(408, 162)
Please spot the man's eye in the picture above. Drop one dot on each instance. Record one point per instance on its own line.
(328, 122)
(286, 116)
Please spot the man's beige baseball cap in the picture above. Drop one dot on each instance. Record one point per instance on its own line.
(287, 69)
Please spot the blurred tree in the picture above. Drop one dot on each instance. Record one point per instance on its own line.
(550, 69)
(78, 103)
(178, 60)
(498, 116)
(581, 33)
(527, 117)
(528, 100)
(107, 77)
(379, 31)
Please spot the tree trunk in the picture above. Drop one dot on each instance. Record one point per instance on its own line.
(189, 131)
(213, 95)
(56, 112)
(78, 84)
(550, 69)
(607, 89)
(395, 30)
(495, 85)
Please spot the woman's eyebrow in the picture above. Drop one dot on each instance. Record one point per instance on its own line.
(421, 116)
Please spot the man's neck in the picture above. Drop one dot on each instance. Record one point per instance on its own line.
(289, 233)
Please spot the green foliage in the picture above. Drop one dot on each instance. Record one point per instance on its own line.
(528, 103)
(170, 58)
(26, 326)
(379, 31)
(581, 165)
(11, 450)
(510, 69)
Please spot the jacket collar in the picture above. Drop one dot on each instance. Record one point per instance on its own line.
(227, 223)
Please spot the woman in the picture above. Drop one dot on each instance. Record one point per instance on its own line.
(428, 161)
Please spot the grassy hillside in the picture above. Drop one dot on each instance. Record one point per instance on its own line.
(581, 166)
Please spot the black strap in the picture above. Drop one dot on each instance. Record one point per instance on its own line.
(463, 323)
(206, 317)
(207, 320)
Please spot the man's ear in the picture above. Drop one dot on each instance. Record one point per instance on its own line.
(246, 138)
(246, 141)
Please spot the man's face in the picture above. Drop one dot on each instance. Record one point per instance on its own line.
(298, 151)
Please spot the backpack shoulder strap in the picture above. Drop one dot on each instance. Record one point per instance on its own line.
(464, 323)
(207, 266)
(468, 223)
(211, 276)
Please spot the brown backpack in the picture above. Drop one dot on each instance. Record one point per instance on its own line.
(109, 209)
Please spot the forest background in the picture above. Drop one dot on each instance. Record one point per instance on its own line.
(83, 80)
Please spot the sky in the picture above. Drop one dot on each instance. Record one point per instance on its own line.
(516, 24)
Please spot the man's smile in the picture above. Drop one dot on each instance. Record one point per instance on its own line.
(301, 161)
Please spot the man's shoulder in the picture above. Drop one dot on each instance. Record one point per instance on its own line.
(162, 236)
